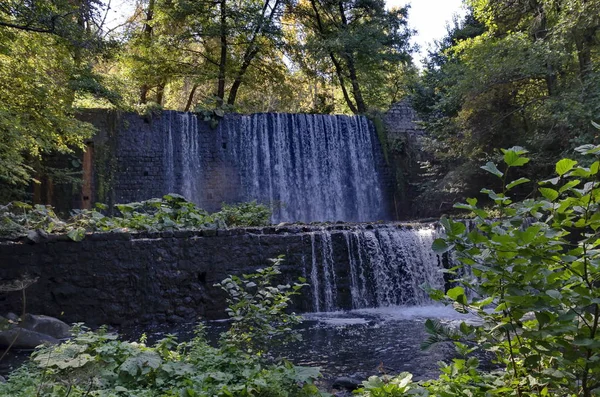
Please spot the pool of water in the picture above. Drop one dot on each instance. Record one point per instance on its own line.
(356, 343)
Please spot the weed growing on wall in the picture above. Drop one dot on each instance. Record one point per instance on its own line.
(172, 212)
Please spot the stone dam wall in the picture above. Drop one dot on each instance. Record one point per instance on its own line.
(122, 278)
(309, 167)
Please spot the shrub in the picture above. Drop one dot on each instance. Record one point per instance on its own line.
(172, 212)
(245, 214)
(99, 364)
(534, 283)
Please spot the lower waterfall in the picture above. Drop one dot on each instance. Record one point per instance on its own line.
(373, 266)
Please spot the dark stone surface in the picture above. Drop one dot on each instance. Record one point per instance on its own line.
(130, 159)
(46, 325)
(114, 278)
(346, 383)
(21, 338)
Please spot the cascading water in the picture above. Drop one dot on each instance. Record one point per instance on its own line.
(387, 265)
(313, 167)
(308, 167)
(182, 157)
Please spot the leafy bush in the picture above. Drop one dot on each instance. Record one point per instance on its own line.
(245, 214)
(17, 218)
(257, 309)
(99, 364)
(172, 212)
(534, 283)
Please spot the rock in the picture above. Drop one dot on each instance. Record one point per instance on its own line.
(36, 236)
(6, 323)
(46, 325)
(12, 317)
(2, 379)
(25, 339)
(346, 383)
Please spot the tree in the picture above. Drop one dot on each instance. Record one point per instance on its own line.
(513, 73)
(360, 39)
(45, 53)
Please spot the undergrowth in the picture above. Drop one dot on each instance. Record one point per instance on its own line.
(172, 212)
(98, 363)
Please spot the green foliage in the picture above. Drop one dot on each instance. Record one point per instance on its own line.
(211, 114)
(257, 309)
(172, 212)
(46, 54)
(99, 364)
(245, 214)
(533, 281)
(331, 36)
(511, 73)
(389, 386)
(536, 270)
(18, 218)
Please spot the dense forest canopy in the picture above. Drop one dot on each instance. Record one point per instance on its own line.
(511, 73)
(521, 72)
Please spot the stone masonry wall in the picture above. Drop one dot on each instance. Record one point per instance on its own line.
(121, 278)
(406, 158)
(132, 160)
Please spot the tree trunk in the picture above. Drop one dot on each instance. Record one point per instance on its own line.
(584, 52)
(144, 93)
(223, 57)
(349, 57)
(160, 93)
(339, 71)
(251, 51)
(188, 104)
(147, 34)
(340, 74)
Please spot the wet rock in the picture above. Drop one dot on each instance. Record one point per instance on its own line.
(24, 339)
(46, 325)
(6, 323)
(346, 383)
(12, 317)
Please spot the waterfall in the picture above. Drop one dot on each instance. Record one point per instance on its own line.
(307, 167)
(310, 167)
(183, 169)
(383, 266)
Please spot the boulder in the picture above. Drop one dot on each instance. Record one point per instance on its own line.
(46, 325)
(25, 339)
(12, 317)
(346, 383)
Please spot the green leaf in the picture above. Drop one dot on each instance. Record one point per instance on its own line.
(569, 185)
(588, 149)
(542, 318)
(516, 183)
(76, 234)
(513, 158)
(491, 168)
(451, 227)
(457, 294)
(564, 166)
(440, 246)
(498, 197)
(548, 193)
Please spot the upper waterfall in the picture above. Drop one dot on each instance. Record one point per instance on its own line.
(307, 167)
